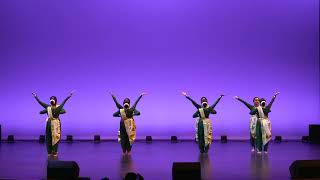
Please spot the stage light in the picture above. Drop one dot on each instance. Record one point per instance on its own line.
(69, 138)
(96, 138)
(10, 139)
(305, 139)
(148, 139)
(314, 133)
(174, 138)
(278, 139)
(41, 139)
(224, 139)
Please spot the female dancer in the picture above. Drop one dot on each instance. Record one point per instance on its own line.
(203, 123)
(53, 127)
(253, 118)
(127, 124)
(263, 128)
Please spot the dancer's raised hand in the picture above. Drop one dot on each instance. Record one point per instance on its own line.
(143, 93)
(111, 93)
(184, 93)
(72, 92)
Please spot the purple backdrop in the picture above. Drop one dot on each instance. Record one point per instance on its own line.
(245, 48)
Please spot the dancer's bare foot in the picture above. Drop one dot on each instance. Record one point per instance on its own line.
(259, 152)
(265, 152)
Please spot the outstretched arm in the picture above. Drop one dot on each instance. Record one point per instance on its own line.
(117, 103)
(63, 111)
(136, 112)
(44, 105)
(43, 111)
(215, 103)
(135, 103)
(244, 102)
(272, 100)
(64, 101)
(59, 108)
(213, 111)
(116, 114)
(196, 114)
(193, 102)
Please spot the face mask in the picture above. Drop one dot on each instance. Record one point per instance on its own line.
(204, 104)
(126, 105)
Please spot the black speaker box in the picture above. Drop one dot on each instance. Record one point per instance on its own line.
(224, 139)
(42, 139)
(63, 170)
(186, 170)
(303, 169)
(149, 139)
(314, 133)
(96, 138)
(174, 138)
(10, 139)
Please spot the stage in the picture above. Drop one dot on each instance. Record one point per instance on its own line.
(232, 160)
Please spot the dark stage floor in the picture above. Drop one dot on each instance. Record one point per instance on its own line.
(232, 160)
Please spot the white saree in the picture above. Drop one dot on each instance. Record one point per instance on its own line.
(265, 126)
(130, 126)
(253, 124)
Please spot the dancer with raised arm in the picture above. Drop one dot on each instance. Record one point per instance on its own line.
(203, 123)
(127, 128)
(253, 119)
(263, 129)
(53, 125)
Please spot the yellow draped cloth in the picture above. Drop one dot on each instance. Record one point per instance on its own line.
(55, 127)
(130, 126)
